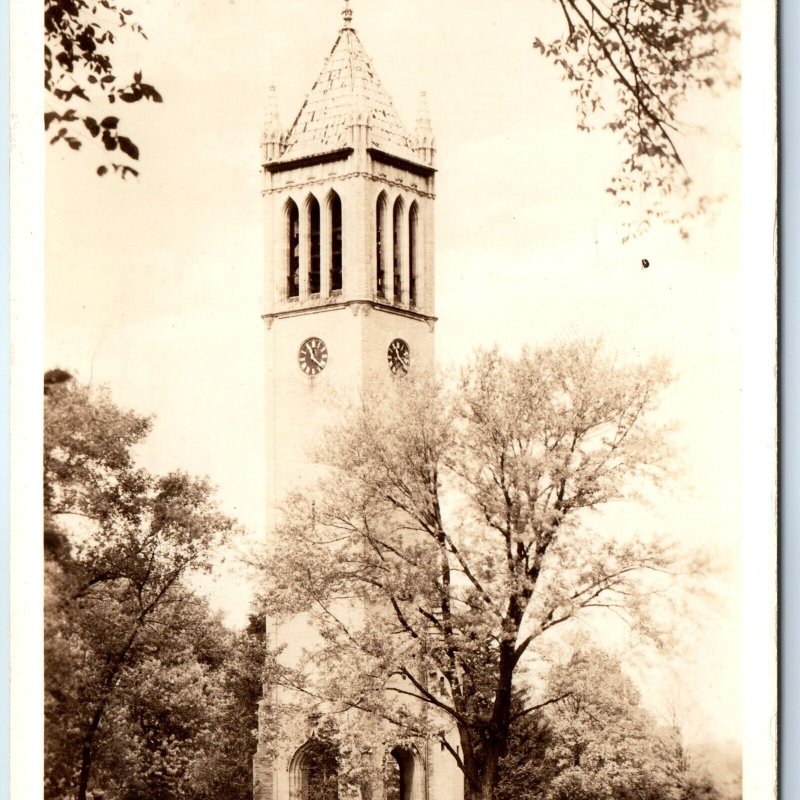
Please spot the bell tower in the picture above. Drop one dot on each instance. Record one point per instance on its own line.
(349, 302)
(349, 273)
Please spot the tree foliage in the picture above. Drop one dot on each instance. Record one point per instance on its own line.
(80, 78)
(605, 744)
(632, 65)
(598, 742)
(144, 686)
(225, 769)
(459, 518)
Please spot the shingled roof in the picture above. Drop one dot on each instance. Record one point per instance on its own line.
(347, 89)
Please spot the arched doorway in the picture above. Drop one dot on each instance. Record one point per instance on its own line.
(402, 775)
(313, 772)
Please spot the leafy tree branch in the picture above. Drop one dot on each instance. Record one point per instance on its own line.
(80, 78)
(632, 66)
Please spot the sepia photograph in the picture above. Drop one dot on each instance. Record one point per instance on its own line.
(406, 402)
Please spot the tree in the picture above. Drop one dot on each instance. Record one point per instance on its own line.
(132, 654)
(459, 519)
(225, 769)
(605, 745)
(78, 66)
(632, 65)
(598, 742)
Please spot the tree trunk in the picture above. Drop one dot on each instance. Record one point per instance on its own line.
(481, 772)
(86, 751)
(489, 781)
(487, 787)
(484, 768)
(108, 684)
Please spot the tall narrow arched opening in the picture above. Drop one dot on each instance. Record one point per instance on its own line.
(314, 250)
(380, 244)
(397, 254)
(313, 772)
(335, 208)
(292, 237)
(413, 222)
(402, 777)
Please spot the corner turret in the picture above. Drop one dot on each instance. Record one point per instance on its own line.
(424, 144)
(273, 137)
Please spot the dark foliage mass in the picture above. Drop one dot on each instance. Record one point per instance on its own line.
(147, 693)
(80, 78)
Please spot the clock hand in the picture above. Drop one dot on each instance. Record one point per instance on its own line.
(314, 359)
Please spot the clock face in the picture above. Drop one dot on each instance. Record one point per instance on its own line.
(312, 356)
(399, 357)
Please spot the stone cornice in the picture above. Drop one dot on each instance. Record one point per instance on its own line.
(348, 176)
(356, 306)
(309, 161)
(382, 157)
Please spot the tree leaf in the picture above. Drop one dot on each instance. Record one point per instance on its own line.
(151, 93)
(109, 141)
(132, 96)
(91, 125)
(128, 147)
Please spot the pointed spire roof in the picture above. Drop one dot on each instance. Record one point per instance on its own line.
(347, 91)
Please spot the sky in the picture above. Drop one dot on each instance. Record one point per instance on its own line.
(154, 286)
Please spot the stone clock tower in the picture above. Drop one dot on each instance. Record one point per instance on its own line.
(348, 207)
(349, 276)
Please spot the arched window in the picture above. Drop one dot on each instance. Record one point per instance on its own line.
(314, 260)
(397, 257)
(292, 250)
(314, 772)
(336, 242)
(380, 256)
(413, 218)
